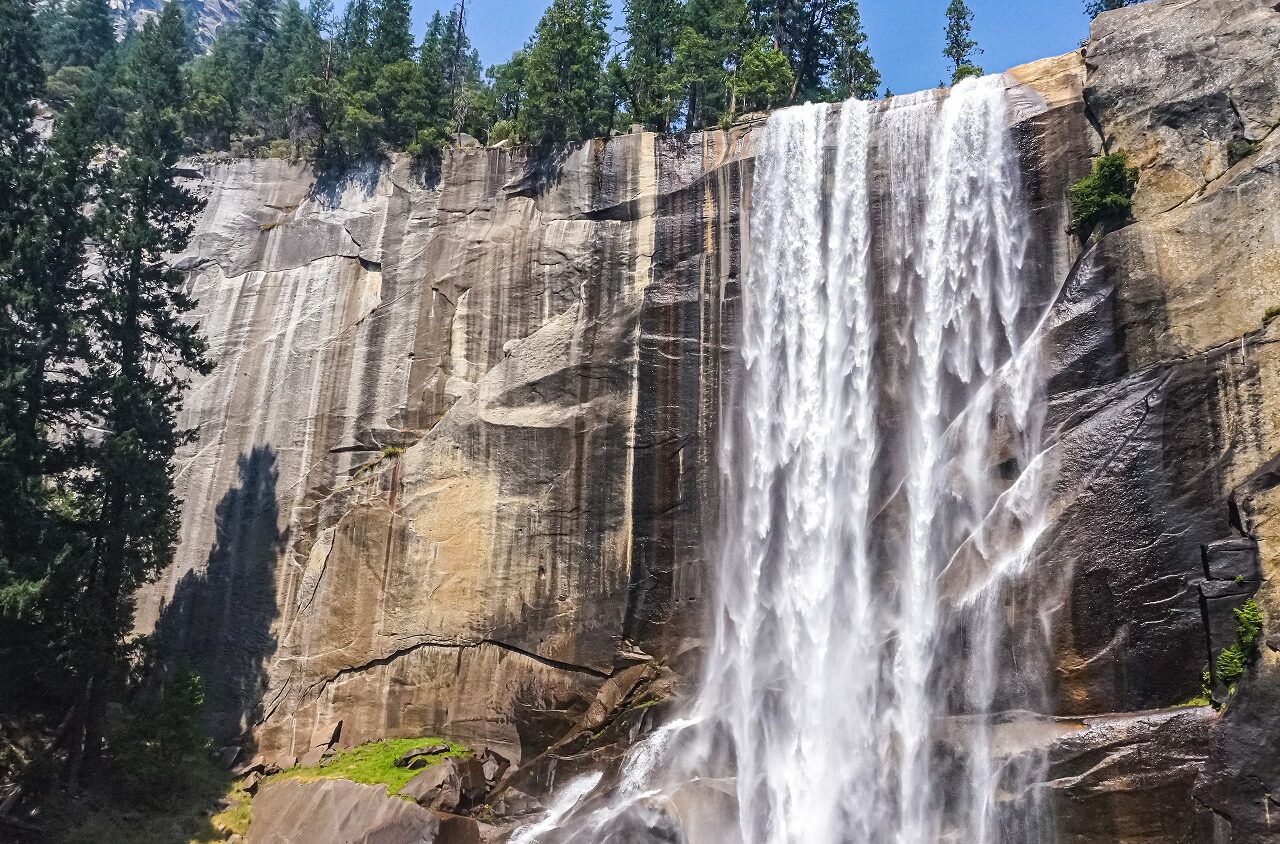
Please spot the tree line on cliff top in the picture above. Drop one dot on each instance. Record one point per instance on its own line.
(288, 80)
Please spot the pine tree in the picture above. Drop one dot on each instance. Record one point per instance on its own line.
(20, 80)
(1093, 8)
(215, 103)
(853, 71)
(709, 50)
(258, 28)
(961, 49)
(507, 89)
(48, 263)
(647, 74)
(80, 36)
(142, 348)
(392, 39)
(564, 73)
(764, 79)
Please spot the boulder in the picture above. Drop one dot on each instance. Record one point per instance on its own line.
(451, 785)
(420, 757)
(492, 763)
(438, 787)
(337, 812)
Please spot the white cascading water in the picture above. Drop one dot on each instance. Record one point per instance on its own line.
(873, 629)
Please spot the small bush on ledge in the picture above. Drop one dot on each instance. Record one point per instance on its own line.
(1105, 196)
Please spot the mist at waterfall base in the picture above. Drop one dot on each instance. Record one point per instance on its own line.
(876, 637)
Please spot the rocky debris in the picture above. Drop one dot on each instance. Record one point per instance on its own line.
(337, 812)
(420, 757)
(627, 706)
(453, 785)
(493, 764)
(257, 765)
(323, 739)
(514, 803)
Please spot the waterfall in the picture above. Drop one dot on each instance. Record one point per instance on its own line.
(875, 625)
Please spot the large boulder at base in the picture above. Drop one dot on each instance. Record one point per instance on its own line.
(337, 812)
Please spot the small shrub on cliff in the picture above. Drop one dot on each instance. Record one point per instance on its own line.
(1240, 149)
(1230, 664)
(1105, 196)
(1248, 626)
(1232, 660)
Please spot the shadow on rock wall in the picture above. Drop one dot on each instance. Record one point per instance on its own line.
(219, 620)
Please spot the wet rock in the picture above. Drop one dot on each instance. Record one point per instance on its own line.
(1129, 778)
(513, 802)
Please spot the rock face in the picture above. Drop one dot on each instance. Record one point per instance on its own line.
(459, 443)
(207, 16)
(455, 473)
(338, 812)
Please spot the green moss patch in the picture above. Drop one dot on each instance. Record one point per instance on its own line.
(372, 764)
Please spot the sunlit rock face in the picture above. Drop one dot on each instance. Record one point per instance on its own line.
(207, 17)
(458, 462)
(455, 450)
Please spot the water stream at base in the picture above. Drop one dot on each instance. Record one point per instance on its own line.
(874, 629)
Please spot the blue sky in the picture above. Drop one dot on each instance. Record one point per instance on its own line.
(906, 35)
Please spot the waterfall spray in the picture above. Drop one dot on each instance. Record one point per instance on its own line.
(882, 500)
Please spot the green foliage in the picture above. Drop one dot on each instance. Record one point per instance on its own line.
(765, 78)
(1240, 149)
(1093, 8)
(853, 72)
(1230, 664)
(646, 73)
(1233, 659)
(1248, 626)
(373, 763)
(1270, 313)
(160, 742)
(78, 33)
(960, 48)
(564, 73)
(708, 52)
(823, 43)
(1104, 197)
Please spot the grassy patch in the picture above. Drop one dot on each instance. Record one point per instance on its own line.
(1270, 314)
(1105, 196)
(371, 764)
(1199, 700)
(233, 820)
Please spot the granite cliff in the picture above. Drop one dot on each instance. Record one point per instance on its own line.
(456, 470)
